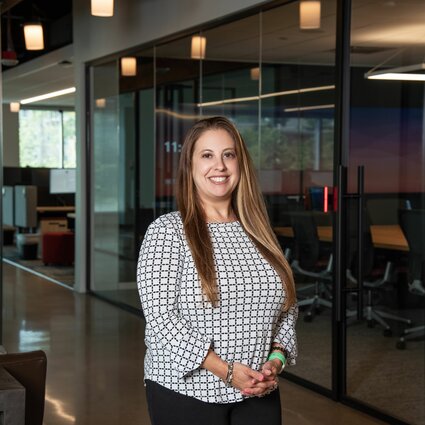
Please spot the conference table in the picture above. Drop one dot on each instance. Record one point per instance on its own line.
(383, 236)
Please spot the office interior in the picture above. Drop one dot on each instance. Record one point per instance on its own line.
(336, 132)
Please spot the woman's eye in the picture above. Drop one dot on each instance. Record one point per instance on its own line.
(206, 155)
(229, 155)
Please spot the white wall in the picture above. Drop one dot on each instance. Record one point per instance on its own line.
(10, 137)
(134, 23)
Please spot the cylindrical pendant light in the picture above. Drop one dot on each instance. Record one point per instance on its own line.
(15, 106)
(33, 33)
(310, 14)
(255, 73)
(100, 103)
(103, 8)
(128, 67)
(198, 48)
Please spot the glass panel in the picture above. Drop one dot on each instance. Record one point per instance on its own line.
(295, 151)
(177, 88)
(231, 76)
(113, 185)
(385, 359)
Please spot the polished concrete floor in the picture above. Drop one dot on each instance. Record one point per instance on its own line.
(95, 358)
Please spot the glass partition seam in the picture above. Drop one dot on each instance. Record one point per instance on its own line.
(88, 174)
(201, 111)
(154, 129)
(342, 89)
(260, 86)
(1, 202)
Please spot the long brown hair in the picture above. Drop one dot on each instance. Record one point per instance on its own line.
(248, 206)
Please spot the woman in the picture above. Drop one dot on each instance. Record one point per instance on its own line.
(217, 293)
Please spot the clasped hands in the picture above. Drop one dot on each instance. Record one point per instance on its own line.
(256, 383)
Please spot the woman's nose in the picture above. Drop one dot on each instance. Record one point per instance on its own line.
(220, 165)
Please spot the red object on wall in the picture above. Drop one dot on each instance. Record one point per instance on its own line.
(58, 248)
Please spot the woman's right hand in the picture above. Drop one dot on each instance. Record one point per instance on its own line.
(249, 381)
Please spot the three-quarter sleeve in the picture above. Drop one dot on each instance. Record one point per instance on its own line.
(159, 272)
(285, 334)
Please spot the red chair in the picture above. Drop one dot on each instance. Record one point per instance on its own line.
(58, 248)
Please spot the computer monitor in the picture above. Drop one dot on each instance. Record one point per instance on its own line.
(62, 180)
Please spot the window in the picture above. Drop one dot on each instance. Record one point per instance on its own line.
(47, 138)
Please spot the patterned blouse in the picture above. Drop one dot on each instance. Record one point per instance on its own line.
(181, 326)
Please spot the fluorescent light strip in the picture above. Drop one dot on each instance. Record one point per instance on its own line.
(266, 96)
(309, 108)
(48, 95)
(397, 76)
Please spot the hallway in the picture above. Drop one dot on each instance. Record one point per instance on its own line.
(95, 358)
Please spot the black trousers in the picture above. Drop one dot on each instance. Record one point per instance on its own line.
(167, 407)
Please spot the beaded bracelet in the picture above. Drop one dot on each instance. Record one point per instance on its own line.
(229, 376)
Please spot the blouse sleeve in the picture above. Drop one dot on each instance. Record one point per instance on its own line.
(285, 334)
(159, 272)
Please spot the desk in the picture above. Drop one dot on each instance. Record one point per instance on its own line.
(383, 236)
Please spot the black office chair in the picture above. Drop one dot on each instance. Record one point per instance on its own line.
(376, 278)
(311, 261)
(413, 225)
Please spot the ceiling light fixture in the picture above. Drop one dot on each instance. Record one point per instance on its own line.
(255, 73)
(310, 14)
(309, 108)
(101, 103)
(401, 73)
(15, 106)
(48, 95)
(267, 95)
(102, 8)
(128, 66)
(33, 34)
(198, 47)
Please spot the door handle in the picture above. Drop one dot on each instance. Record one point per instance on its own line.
(360, 233)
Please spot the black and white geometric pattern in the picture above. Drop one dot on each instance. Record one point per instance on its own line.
(181, 326)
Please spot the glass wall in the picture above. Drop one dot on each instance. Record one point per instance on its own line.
(387, 140)
(275, 79)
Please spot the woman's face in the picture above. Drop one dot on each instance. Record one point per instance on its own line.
(215, 167)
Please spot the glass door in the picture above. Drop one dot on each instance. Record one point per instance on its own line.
(385, 210)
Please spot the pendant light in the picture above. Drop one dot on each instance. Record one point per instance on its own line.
(102, 8)
(255, 73)
(310, 14)
(33, 33)
(198, 47)
(128, 66)
(15, 106)
(100, 103)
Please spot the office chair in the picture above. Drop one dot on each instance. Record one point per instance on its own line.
(375, 279)
(413, 225)
(30, 370)
(310, 261)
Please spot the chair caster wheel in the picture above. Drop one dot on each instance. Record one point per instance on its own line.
(388, 332)
(318, 311)
(401, 345)
(308, 318)
(370, 324)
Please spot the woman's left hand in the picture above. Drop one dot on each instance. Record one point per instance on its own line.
(269, 370)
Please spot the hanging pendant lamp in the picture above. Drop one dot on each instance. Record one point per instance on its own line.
(33, 33)
(102, 8)
(310, 14)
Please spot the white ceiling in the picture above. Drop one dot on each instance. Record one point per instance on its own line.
(39, 76)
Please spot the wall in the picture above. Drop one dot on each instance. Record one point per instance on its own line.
(10, 137)
(135, 22)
